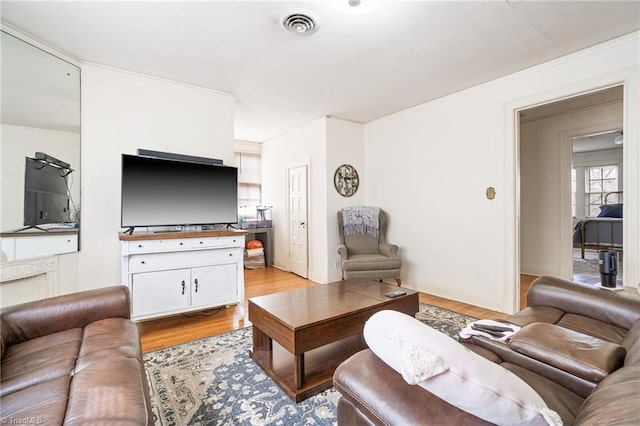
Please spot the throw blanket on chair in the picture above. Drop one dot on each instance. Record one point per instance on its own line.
(361, 220)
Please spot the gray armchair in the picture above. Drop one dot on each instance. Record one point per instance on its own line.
(367, 255)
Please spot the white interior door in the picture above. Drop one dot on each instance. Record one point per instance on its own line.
(298, 247)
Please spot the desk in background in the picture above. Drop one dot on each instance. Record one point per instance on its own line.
(265, 235)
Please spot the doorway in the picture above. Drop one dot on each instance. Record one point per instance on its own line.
(597, 192)
(298, 220)
(548, 214)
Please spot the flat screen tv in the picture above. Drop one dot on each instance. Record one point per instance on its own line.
(161, 192)
(46, 195)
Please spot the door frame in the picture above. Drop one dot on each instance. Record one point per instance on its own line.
(630, 81)
(294, 165)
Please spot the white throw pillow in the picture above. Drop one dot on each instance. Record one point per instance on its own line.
(444, 367)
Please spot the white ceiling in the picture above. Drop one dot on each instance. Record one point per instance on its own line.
(361, 64)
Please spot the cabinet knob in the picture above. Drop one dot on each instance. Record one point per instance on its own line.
(196, 283)
(201, 242)
(143, 262)
(183, 286)
(139, 245)
(230, 254)
(181, 243)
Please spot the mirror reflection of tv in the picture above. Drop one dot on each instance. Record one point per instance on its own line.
(46, 196)
(161, 192)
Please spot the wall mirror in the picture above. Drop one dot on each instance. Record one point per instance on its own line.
(39, 150)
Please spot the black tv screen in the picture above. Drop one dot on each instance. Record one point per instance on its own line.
(159, 192)
(46, 196)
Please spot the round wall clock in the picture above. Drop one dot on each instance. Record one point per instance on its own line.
(346, 180)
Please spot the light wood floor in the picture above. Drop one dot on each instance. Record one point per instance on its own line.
(160, 333)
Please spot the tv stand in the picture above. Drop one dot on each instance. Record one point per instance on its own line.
(170, 273)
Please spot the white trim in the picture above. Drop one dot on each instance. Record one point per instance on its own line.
(627, 77)
(34, 41)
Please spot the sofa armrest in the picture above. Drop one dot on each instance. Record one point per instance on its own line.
(389, 250)
(343, 252)
(380, 395)
(619, 308)
(30, 320)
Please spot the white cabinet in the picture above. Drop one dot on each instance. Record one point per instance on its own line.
(174, 272)
(19, 246)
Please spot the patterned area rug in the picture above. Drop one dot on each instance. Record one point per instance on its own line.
(213, 381)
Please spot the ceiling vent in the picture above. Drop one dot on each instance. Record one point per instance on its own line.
(299, 23)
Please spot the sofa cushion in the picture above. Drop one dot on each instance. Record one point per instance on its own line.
(35, 361)
(108, 338)
(614, 401)
(471, 382)
(558, 398)
(632, 343)
(593, 327)
(108, 392)
(580, 354)
(43, 403)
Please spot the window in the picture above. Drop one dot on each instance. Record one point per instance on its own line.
(600, 180)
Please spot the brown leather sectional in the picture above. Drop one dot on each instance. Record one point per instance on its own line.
(579, 349)
(73, 359)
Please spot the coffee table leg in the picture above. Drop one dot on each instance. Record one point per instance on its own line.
(299, 370)
(261, 342)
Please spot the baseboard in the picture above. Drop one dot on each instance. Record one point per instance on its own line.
(537, 270)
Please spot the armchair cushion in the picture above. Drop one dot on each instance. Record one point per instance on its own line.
(469, 381)
(370, 262)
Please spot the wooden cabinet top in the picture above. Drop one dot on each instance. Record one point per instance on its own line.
(166, 235)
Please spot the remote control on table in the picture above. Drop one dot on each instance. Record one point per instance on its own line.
(396, 293)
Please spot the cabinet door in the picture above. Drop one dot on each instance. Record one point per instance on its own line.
(157, 292)
(214, 284)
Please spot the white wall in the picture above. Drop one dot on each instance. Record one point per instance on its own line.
(345, 145)
(304, 145)
(545, 179)
(121, 112)
(18, 142)
(429, 167)
(324, 144)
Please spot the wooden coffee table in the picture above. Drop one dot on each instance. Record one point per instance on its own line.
(315, 329)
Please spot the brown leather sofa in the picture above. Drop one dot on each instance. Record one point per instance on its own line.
(73, 359)
(374, 394)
